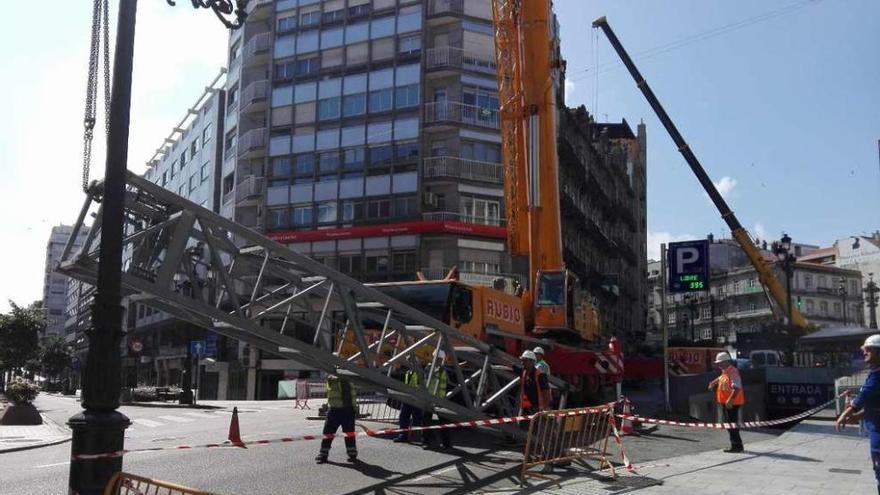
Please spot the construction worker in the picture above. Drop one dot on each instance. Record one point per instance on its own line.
(541, 363)
(867, 403)
(730, 394)
(437, 388)
(409, 415)
(534, 386)
(341, 411)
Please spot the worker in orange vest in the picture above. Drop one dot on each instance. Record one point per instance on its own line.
(534, 386)
(730, 394)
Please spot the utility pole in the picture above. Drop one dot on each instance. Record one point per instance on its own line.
(871, 289)
(665, 322)
(100, 428)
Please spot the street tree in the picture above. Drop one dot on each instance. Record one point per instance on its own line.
(54, 356)
(19, 336)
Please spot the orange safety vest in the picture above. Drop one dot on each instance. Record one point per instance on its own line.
(728, 378)
(542, 397)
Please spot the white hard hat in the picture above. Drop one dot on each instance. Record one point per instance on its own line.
(722, 356)
(872, 341)
(528, 355)
(538, 350)
(441, 355)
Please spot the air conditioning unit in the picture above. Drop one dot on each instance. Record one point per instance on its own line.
(430, 199)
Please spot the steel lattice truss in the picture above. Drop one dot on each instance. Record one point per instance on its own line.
(205, 269)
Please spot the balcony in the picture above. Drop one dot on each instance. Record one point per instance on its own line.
(249, 189)
(455, 112)
(451, 216)
(460, 168)
(252, 143)
(445, 7)
(256, 10)
(255, 97)
(458, 58)
(256, 50)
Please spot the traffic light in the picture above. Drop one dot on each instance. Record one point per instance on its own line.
(799, 303)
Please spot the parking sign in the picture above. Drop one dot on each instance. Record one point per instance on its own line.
(688, 264)
(197, 348)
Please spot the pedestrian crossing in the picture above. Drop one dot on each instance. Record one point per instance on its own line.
(194, 416)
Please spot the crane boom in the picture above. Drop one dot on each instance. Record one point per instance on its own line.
(765, 273)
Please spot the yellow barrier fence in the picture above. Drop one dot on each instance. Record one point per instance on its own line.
(132, 484)
(557, 437)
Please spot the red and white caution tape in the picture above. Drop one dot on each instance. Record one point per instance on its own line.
(728, 426)
(366, 433)
(619, 439)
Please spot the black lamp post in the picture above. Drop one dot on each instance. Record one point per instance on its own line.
(841, 289)
(787, 260)
(871, 291)
(691, 303)
(100, 428)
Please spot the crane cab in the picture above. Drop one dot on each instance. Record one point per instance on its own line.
(560, 306)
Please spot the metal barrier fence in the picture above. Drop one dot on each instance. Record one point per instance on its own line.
(562, 436)
(132, 484)
(853, 384)
(378, 408)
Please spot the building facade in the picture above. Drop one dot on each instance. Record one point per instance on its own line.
(55, 285)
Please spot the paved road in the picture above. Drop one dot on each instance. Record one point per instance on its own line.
(478, 464)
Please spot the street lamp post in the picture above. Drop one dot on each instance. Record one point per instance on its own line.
(787, 260)
(841, 289)
(100, 428)
(871, 290)
(691, 304)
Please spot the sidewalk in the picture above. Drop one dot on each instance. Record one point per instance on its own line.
(811, 458)
(14, 438)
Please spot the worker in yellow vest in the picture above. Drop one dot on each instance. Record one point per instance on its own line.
(409, 415)
(729, 392)
(341, 411)
(437, 388)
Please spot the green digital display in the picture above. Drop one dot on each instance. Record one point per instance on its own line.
(692, 281)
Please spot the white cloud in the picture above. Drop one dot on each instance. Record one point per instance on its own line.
(760, 232)
(569, 89)
(725, 186)
(178, 51)
(655, 239)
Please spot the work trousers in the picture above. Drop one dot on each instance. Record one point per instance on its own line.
(409, 416)
(731, 415)
(428, 435)
(336, 417)
(874, 436)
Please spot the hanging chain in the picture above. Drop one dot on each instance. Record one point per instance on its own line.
(100, 27)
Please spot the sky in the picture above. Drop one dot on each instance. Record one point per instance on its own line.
(778, 99)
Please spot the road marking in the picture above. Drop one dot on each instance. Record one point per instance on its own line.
(176, 419)
(200, 415)
(148, 423)
(52, 465)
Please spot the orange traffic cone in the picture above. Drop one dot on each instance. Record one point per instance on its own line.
(626, 425)
(234, 432)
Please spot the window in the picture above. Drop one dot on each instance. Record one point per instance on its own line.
(301, 216)
(376, 263)
(379, 208)
(182, 158)
(736, 286)
(164, 178)
(408, 152)
(327, 212)
(403, 261)
(380, 101)
(409, 45)
(193, 182)
(706, 313)
(228, 182)
(310, 19)
(837, 309)
(383, 49)
(482, 106)
(181, 191)
(354, 105)
(332, 58)
(750, 283)
(235, 51)
(277, 218)
(405, 207)
(823, 308)
(357, 53)
(328, 108)
(194, 148)
(482, 151)
(381, 156)
(336, 15)
(173, 169)
(352, 210)
(206, 134)
(205, 172)
(407, 96)
(285, 70)
(353, 159)
(811, 306)
(306, 66)
(822, 282)
(232, 97)
(359, 10)
(328, 162)
(350, 263)
(230, 141)
(808, 281)
(304, 164)
(478, 210)
(286, 24)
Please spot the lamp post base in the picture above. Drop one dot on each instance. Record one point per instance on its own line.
(95, 432)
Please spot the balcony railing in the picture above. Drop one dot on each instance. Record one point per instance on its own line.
(253, 140)
(258, 45)
(459, 58)
(459, 217)
(461, 168)
(749, 313)
(255, 93)
(445, 7)
(249, 188)
(454, 111)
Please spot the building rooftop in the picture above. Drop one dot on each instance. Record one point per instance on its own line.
(616, 130)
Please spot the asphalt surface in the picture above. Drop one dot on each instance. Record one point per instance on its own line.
(479, 463)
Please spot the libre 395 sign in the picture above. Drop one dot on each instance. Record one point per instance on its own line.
(688, 264)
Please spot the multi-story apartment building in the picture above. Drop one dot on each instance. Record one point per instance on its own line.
(603, 185)
(55, 284)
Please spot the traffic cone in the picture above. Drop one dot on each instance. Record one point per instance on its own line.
(626, 425)
(234, 432)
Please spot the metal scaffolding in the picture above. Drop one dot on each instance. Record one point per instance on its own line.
(205, 269)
